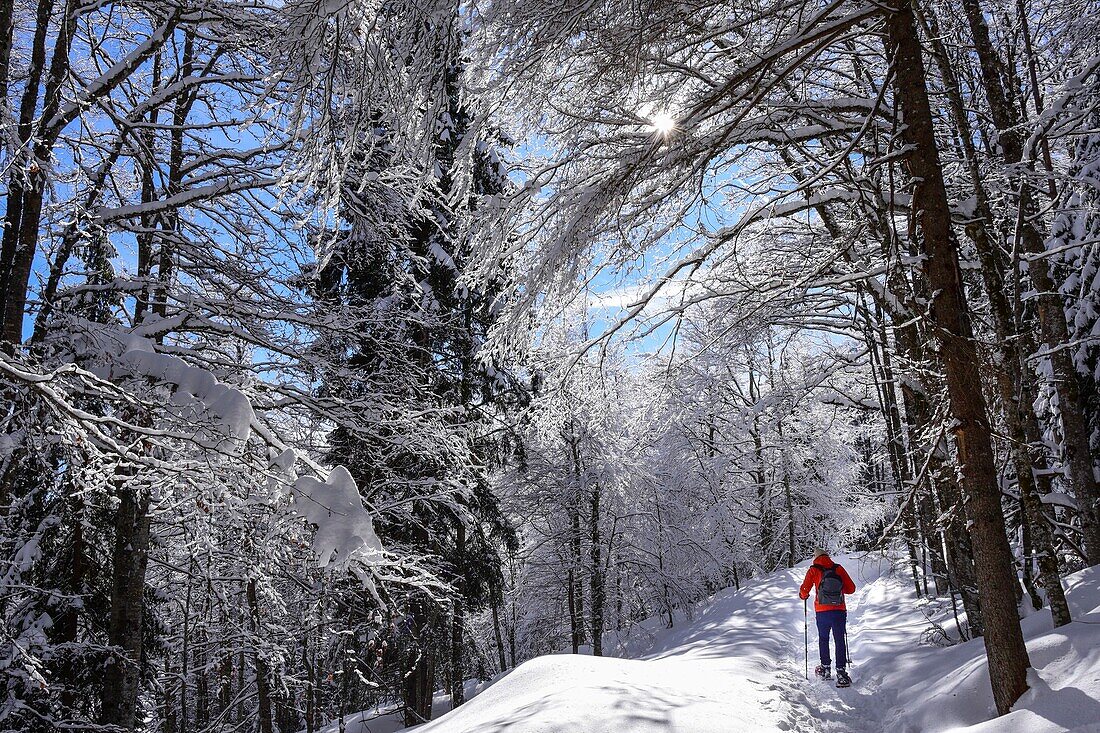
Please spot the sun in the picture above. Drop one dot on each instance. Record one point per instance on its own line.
(662, 123)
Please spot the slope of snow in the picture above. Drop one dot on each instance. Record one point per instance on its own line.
(739, 665)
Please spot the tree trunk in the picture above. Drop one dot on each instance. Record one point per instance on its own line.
(576, 544)
(122, 677)
(17, 266)
(1012, 342)
(574, 616)
(419, 681)
(1004, 642)
(958, 557)
(311, 683)
(1052, 323)
(225, 684)
(20, 169)
(762, 495)
(596, 577)
(1027, 573)
(202, 670)
(1041, 536)
(263, 681)
(497, 635)
(900, 463)
(512, 633)
(7, 28)
(458, 668)
(67, 622)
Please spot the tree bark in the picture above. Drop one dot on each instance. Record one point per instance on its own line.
(497, 635)
(21, 169)
(419, 681)
(766, 529)
(574, 615)
(1015, 380)
(263, 681)
(1004, 642)
(18, 267)
(1053, 329)
(7, 28)
(122, 677)
(458, 668)
(596, 577)
(576, 543)
(1042, 538)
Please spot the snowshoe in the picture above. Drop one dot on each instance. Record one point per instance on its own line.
(823, 671)
(842, 678)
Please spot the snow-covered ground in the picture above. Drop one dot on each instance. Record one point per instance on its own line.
(739, 666)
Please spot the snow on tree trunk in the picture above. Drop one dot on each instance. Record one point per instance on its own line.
(1008, 659)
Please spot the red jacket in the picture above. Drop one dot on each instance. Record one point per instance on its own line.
(813, 577)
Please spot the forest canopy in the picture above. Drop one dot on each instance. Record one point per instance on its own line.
(353, 350)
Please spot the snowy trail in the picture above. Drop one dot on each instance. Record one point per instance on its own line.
(738, 665)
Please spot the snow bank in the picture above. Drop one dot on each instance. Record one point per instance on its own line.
(390, 720)
(739, 665)
(727, 670)
(948, 689)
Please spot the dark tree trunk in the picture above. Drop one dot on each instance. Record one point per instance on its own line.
(512, 634)
(574, 615)
(497, 635)
(7, 28)
(458, 667)
(576, 544)
(1052, 324)
(185, 654)
(225, 684)
(1014, 343)
(419, 680)
(762, 494)
(596, 577)
(1035, 514)
(17, 267)
(66, 627)
(21, 171)
(1027, 574)
(1004, 642)
(958, 557)
(202, 671)
(122, 677)
(263, 679)
(311, 683)
(909, 531)
(900, 463)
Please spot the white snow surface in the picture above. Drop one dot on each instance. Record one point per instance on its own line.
(116, 354)
(739, 665)
(344, 527)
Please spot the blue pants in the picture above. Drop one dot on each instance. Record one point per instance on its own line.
(834, 621)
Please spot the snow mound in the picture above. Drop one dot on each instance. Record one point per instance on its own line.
(739, 665)
(728, 669)
(344, 527)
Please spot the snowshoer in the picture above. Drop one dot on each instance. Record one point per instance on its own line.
(832, 583)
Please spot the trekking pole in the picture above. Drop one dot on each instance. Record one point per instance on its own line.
(806, 635)
(847, 646)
